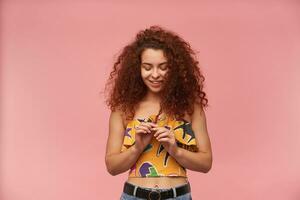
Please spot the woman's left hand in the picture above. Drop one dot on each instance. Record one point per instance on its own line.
(167, 138)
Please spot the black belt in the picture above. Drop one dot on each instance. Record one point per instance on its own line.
(153, 194)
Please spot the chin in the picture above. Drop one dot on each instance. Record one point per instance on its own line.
(155, 90)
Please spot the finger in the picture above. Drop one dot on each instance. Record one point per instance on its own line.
(158, 132)
(139, 131)
(158, 128)
(162, 135)
(167, 128)
(163, 139)
(142, 129)
(147, 125)
(153, 124)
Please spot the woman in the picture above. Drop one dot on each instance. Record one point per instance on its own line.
(157, 126)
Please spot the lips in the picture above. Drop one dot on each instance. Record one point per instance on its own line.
(155, 83)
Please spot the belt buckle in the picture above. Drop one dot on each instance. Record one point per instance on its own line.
(156, 195)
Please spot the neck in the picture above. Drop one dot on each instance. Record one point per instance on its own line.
(152, 97)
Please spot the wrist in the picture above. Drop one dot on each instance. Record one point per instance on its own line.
(136, 149)
(176, 152)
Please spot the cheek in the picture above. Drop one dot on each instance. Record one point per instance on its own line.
(164, 74)
(144, 74)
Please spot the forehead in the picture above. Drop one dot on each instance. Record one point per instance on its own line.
(154, 56)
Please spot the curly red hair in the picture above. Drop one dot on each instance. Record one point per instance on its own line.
(184, 82)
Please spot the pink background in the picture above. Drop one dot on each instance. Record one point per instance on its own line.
(56, 56)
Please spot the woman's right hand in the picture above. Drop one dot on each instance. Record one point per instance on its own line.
(143, 135)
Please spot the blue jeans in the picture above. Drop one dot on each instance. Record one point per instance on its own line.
(187, 196)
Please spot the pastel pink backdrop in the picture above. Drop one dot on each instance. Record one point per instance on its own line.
(56, 56)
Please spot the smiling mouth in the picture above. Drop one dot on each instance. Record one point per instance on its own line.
(155, 83)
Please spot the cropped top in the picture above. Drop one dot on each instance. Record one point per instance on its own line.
(155, 160)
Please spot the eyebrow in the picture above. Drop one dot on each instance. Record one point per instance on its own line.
(151, 64)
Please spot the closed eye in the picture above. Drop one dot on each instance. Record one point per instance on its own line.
(147, 67)
(163, 67)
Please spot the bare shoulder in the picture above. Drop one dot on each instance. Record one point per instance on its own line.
(116, 132)
(199, 126)
(198, 114)
(118, 116)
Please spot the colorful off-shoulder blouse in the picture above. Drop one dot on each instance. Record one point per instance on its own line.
(155, 160)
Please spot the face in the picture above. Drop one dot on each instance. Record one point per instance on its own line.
(154, 68)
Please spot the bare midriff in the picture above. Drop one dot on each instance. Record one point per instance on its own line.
(161, 182)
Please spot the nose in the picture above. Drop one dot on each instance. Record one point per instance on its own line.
(155, 73)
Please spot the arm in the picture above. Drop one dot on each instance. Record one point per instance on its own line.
(202, 160)
(116, 161)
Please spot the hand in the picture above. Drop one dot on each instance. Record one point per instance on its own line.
(143, 135)
(167, 138)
